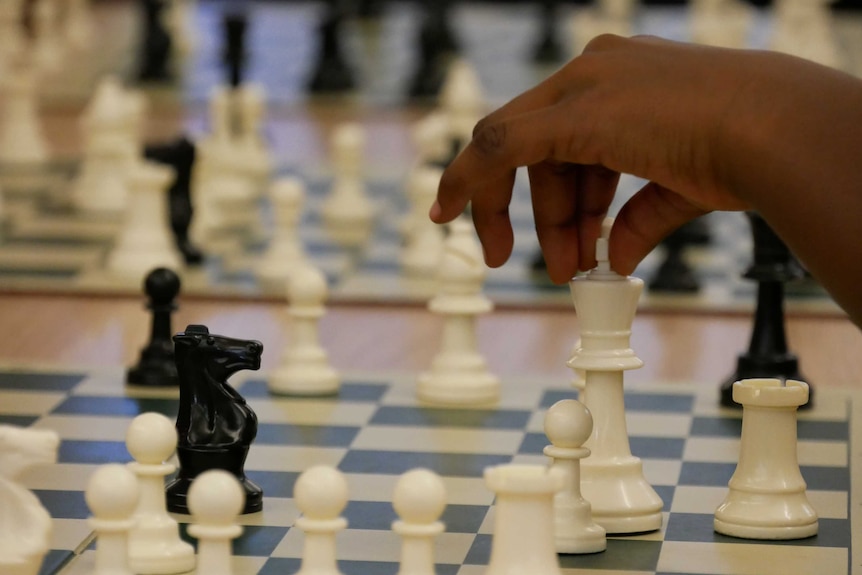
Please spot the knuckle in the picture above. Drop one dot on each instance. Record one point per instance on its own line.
(603, 42)
(489, 138)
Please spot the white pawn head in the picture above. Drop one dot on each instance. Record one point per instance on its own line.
(112, 492)
(568, 423)
(216, 498)
(348, 144)
(321, 492)
(306, 286)
(288, 191)
(420, 497)
(151, 438)
(430, 135)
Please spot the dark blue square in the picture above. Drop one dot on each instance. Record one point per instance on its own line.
(716, 427)
(706, 473)
(533, 443)
(657, 447)
(659, 402)
(98, 452)
(40, 381)
(55, 560)
(275, 483)
(464, 418)
(621, 555)
(63, 504)
(552, 396)
(312, 435)
(398, 462)
(350, 391)
(18, 420)
(117, 406)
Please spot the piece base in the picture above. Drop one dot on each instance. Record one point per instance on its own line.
(164, 560)
(743, 531)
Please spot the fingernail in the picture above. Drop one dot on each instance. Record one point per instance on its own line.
(435, 212)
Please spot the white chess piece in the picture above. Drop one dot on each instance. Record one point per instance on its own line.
(462, 100)
(155, 546)
(347, 211)
(215, 500)
(459, 375)
(423, 247)
(21, 139)
(723, 23)
(180, 22)
(767, 497)
(285, 251)
(419, 499)
(523, 519)
(612, 479)
(803, 28)
(305, 369)
(25, 525)
(568, 424)
(112, 495)
(146, 241)
(321, 495)
(250, 107)
(431, 138)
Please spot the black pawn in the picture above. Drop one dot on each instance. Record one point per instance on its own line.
(436, 45)
(674, 275)
(234, 55)
(548, 49)
(157, 44)
(180, 155)
(331, 73)
(157, 367)
(767, 356)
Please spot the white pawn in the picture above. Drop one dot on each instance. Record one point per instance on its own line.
(155, 546)
(21, 139)
(568, 424)
(321, 495)
(462, 100)
(250, 105)
(431, 138)
(146, 241)
(305, 369)
(285, 251)
(112, 495)
(459, 375)
(215, 500)
(423, 247)
(419, 500)
(347, 211)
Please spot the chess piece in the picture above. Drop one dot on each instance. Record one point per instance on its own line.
(436, 45)
(145, 240)
(419, 500)
(48, 49)
(463, 102)
(157, 367)
(332, 73)
(305, 369)
(253, 155)
(612, 479)
(285, 251)
(25, 528)
(155, 547)
(459, 375)
(724, 23)
(216, 499)
(548, 49)
(112, 495)
(321, 495)
(21, 139)
(347, 211)
(568, 425)
(524, 519)
(234, 25)
(768, 354)
(157, 44)
(423, 248)
(804, 29)
(215, 424)
(430, 136)
(674, 274)
(179, 155)
(767, 497)
(12, 37)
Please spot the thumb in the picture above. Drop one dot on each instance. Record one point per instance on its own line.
(643, 221)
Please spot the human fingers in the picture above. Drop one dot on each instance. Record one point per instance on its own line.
(553, 190)
(643, 221)
(597, 186)
(490, 212)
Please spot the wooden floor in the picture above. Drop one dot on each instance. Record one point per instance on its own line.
(38, 329)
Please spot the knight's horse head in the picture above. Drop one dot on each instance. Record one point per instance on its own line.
(21, 448)
(222, 356)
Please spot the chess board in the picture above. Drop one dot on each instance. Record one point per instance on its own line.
(48, 247)
(375, 430)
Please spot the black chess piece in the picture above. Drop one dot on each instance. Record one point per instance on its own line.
(156, 367)
(234, 27)
(180, 155)
(674, 275)
(215, 425)
(157, 45)
(369, 9)
(548, 49)
(767, 355)
(436, 45)
(331, 74)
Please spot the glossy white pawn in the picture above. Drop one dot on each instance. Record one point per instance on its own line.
(568, 424)
(419, 500)
(347, 210)
(112, 495)
(215, 500)
(459, 375)
(523, 539)
(423, 248)
(285, 251)
(767, 498)
(155, 546)
(305, 369)
(321, 495)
